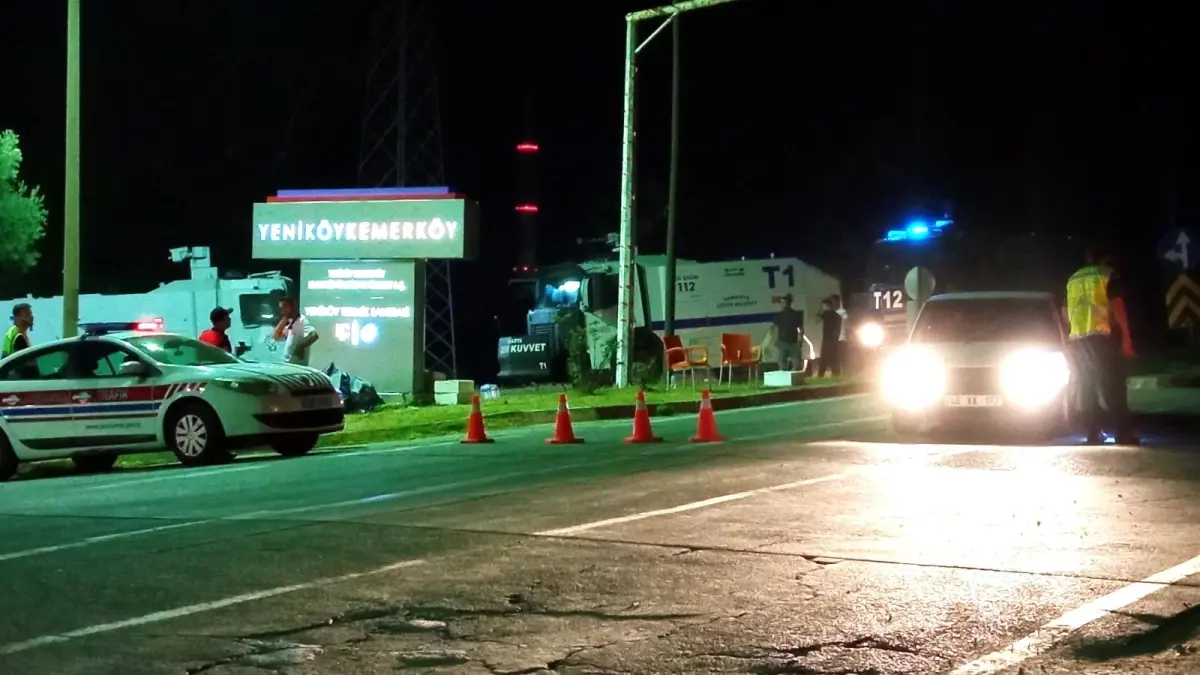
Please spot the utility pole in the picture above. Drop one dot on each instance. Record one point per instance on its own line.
(626, 238)
(70, 318)
(672, 186)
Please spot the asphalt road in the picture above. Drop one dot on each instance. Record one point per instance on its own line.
(808, 542)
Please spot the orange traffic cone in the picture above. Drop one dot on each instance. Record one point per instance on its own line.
(706, 423)
(641, 423)
(564, 434)
(475, 430)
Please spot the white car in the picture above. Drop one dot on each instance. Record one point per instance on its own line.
(129, 388)
(994, 357)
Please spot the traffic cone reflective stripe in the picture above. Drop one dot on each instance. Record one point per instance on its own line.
(641, 423)
(706, 423)
(563, 432)
(475, 431)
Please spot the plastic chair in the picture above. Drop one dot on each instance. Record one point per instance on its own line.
(684, 360)
(736, 350)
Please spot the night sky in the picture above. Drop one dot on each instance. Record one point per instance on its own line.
(806, 130)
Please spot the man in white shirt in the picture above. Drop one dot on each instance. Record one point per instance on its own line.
(296, 333)
(843, 345)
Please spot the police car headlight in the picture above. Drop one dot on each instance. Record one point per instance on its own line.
(913, 378)
(1033, 378)
(870, 335)
(250, 387)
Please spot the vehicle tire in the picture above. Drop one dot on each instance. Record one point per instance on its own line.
(295, 445)
(194, 433)
(8, 459)
(98, 463)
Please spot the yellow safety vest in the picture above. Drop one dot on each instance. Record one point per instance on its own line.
(1087, 302)
(10, 341)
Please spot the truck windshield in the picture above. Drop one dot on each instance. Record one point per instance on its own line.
(988, 320)
(889, 261)
(174, 350)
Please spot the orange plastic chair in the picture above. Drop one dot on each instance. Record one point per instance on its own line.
(737, 351)
(684, 360)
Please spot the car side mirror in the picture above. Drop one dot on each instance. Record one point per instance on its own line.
(134, 369)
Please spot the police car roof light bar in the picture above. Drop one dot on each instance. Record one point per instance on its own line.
(105, 327)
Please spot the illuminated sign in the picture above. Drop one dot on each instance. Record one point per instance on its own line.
(369, 317)
(350, 230)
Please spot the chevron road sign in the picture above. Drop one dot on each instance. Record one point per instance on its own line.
(1183, 302)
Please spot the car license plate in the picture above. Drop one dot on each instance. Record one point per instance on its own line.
(973, 401)
(319, 402)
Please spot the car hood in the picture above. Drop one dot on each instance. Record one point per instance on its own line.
(296, 377)
(983, 354)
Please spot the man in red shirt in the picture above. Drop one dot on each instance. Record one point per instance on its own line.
(216, 336)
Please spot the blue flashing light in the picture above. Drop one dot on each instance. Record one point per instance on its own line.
(918, 229)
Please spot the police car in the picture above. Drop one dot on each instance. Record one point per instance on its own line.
(984, 357)
(125, 388)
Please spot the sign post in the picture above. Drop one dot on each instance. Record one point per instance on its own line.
(1183, 294)
(361, 285)
(918, 284)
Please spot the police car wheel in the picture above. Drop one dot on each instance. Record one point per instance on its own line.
(295, 445)
(194, 434)
(8, 459)
(98, 463)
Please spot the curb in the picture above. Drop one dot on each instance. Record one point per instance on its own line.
(625, 412)
(1165, 381)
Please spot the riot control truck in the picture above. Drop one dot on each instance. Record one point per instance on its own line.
(960, 259)
(711, 298)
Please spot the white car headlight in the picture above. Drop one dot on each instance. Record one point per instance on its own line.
(253, 387)
(913, 378)
(870, 335)
(1033, 378)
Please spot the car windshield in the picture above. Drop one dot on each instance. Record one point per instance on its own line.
(988, 320)
(174, 350)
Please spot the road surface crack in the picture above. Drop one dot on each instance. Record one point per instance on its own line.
(869, 642)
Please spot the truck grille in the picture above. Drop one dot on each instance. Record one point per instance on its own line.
(973, 381)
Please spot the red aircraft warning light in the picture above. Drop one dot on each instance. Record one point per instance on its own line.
(527, 208)
(527, 147)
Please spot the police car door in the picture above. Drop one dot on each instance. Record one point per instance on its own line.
(110, 408)
(36, 400)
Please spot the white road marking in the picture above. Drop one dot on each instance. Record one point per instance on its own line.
(705, 503)
(97, 539)
(1059, 629)
(177, 475)
(430, 489)
(576, 529)
(188, 610)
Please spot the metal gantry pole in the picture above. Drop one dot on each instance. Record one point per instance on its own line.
(70, 273)
(672, 188)
(625, 294)
(625, 242)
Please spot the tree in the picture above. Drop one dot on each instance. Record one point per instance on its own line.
(22, 212)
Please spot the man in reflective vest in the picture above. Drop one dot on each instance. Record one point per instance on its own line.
(1099, 338)
(17, 337)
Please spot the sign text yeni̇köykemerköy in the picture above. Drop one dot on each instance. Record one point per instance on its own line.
(324, 230)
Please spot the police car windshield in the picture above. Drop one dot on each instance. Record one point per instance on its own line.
(174, 350)
(987, 320)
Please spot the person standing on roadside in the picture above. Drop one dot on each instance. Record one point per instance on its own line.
(1100, 337)
(17, 337)
(843, 345)
(216, 336)
(295, 332)
(831, 330)
(788, 327)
